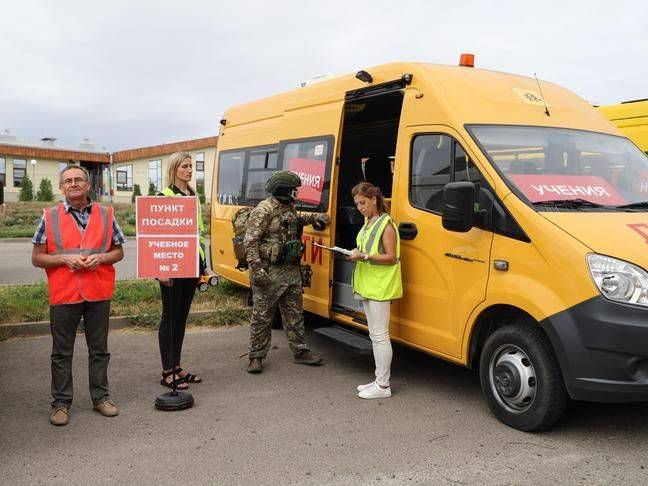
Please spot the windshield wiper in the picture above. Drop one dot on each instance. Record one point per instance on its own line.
(635, 205)
(571, 203)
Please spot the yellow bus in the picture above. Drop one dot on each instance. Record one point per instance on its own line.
(521, 212)
(631, 117)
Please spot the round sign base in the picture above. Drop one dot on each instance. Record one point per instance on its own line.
(173, 401)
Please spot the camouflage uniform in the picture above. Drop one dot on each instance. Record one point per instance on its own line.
(269, 226)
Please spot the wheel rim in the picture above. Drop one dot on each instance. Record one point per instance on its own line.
(512, 378)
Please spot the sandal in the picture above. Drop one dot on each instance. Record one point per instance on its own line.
(178, 382)
(188, 377)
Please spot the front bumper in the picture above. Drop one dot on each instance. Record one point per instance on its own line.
(602, 348)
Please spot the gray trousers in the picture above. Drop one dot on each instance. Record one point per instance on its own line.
(64, 321)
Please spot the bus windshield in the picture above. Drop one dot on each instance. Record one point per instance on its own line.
(570, 169)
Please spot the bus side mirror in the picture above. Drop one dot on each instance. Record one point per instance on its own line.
(458, 212)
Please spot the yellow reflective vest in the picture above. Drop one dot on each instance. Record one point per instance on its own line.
(377, 281)
(167, 191)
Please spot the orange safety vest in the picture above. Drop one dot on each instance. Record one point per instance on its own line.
(64, 236)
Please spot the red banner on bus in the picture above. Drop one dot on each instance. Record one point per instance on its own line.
(311, 172)
(539, 188)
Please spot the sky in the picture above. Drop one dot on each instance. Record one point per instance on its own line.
(127, 74)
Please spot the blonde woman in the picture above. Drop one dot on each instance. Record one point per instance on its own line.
(376, 280)
(177, 294)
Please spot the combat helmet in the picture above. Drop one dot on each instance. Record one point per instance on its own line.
(283, 185)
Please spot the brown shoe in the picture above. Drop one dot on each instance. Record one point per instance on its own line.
(60, 415)
(107, 408)
(308, 358)
(255, 366)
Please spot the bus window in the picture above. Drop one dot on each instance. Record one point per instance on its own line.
(430, 171)
(311, 160)
(261, 165)
(230, 177)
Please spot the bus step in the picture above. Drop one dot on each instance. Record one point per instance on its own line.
(358, 343)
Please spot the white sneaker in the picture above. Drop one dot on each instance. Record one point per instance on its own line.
(364, 387)
(375, 391)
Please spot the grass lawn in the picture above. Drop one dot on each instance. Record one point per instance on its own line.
(22, 217)
(137, 298)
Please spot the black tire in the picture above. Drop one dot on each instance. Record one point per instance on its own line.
(276, 324)
(521, 378)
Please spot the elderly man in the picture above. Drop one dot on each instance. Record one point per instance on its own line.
(77, 242)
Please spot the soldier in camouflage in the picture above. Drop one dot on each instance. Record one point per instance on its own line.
(273, 250)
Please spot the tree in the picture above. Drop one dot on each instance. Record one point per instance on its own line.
(136, 192)
(45, 192)
(26, 189)
(152, 190)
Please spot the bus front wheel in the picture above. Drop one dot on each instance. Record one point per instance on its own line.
(521, 379)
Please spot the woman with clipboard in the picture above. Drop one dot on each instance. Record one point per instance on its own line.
(376, 280)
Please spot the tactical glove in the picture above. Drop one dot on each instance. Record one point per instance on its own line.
(320, 222)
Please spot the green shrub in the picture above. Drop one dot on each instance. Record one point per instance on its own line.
(26, 189)
(152, 190)
(136, 192)
(45, 192)
(200, 189)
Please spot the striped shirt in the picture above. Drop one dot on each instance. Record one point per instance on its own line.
(81, 216)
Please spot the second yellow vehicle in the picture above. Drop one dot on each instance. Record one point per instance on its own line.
(523, 216)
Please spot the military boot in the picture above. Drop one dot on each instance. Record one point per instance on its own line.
(307, 357)
(255, 366)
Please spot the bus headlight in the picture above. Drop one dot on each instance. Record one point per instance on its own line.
(618, 280)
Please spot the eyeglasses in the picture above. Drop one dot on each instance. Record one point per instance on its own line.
(76, 180)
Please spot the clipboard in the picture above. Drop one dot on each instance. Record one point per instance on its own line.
(335, 249)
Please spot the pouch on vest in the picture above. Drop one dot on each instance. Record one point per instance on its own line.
(239, 226)
(292, 251)
(306, 275)
(270, 251)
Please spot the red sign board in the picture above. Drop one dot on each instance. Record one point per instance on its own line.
(311, 172)
(566, 187)
(167, 237)
(166, 215)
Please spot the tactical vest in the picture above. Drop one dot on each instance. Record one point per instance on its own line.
(64, 236)
(372, 280)
(281, 242)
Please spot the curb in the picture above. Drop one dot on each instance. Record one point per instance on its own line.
(42, 328)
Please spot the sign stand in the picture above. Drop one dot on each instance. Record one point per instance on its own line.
(167, 247)
(173, 400)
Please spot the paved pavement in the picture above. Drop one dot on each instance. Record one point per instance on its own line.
(294, 424)
(16, 267)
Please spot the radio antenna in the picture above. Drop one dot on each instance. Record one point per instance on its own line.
(542, 96)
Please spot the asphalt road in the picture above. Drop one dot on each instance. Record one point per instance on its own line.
(16, 267)
(294, 424)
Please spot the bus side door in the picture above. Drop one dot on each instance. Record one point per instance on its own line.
(309, 133)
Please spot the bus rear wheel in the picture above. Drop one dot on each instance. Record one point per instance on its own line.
(521, 378)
